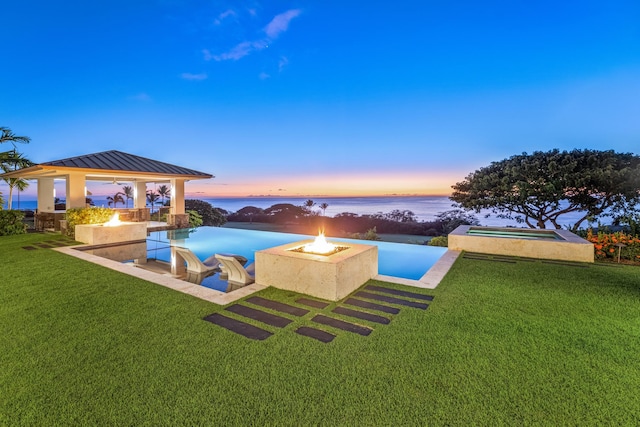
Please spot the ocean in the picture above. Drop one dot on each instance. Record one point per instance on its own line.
(425, 208)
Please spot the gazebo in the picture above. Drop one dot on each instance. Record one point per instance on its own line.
(110, 166)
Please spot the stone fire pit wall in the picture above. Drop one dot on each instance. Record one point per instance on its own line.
(331, 277)
(96, 234)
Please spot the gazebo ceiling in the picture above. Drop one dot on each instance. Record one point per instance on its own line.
(109, 165)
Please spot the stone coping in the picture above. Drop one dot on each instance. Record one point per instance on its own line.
(567, 246)
(429, 280)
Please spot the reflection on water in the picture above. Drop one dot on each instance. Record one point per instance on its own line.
(394, 259)
(212, 280)
(122, 252)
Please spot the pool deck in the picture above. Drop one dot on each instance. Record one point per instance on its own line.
(429, 280)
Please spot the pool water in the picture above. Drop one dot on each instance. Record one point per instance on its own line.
(515, 233)
(394, 259)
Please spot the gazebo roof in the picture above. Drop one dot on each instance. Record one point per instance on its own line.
(109, 164)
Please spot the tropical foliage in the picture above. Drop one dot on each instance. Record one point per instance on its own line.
(617, 245)
(91, 215)
(11, 223)
(164, 192)
(450, 220)
(538, 188)
(127, 192)
(115, 199)
(12, 160)
(209, 215)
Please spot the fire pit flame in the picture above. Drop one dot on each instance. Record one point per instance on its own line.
(319, 245)
(114, 221)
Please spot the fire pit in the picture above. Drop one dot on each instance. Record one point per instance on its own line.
(317, 268)
(112, 231)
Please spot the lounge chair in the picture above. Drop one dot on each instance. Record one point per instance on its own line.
(194, 264)
(237, 274)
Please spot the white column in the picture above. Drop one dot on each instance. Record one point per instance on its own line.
(139, 194)
(177, 196)
(76, 184)
(45, 195)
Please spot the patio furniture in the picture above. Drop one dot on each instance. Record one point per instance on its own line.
(237, 274)
(194, 264)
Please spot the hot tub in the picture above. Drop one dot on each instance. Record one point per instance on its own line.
(530, 243)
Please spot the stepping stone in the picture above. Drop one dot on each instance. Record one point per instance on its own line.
(493, 260)
(312, 303)
(474, 255)
(318, 334)
(277, 306)
(372, 306)
(392, 300)
(401, 293)
(361, 315)
(43, 245)
(570, 264)
(340, 324)
(29, 248)
(259, 315)
(244, 329)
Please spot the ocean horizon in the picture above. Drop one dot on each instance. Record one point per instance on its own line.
(425, 208)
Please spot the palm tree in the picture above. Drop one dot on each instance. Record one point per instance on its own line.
(164, 191)
(7, 136)
(127, 190)
(10, 161)
(308, 205)
(324, 207)
(152, 198)
(115, 199)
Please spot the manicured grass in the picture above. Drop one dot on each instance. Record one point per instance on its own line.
(515, 344)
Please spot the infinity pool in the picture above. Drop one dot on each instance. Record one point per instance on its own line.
(402, 260)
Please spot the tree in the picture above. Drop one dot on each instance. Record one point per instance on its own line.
(152, 198)
(285, 212)
(308, 205)
(12, 160)
(398, 215)
(209, 214)
(164, 192)
(540, 187)
(6, 135)
(115, 199)
(450, 220)
(127, 191)
(324, 207)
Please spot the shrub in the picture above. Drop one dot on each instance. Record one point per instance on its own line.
(209, 215)
(11, 223)
(195, 219)
(604, 245)
(371, 234)
(91, 215)
(439, 241)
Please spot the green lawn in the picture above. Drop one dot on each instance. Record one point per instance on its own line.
(501, 344)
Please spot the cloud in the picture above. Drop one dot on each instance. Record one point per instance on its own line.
(280, 23)
(197, 77)
(284, 61)
(223, 16)
(239, 51)
(264, 76)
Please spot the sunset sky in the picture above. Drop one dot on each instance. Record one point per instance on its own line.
(297, 97)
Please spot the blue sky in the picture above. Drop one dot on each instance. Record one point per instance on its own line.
(291, 98)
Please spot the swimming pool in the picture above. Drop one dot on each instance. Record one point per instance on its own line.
(402, 260)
